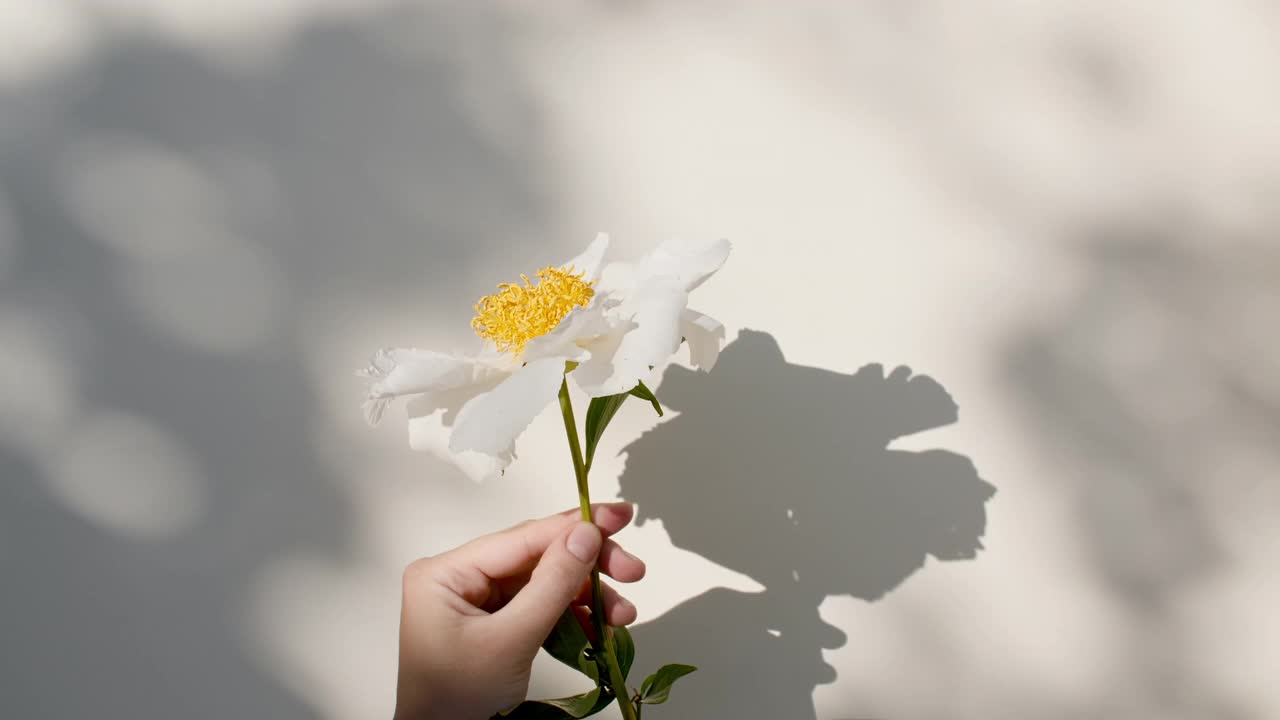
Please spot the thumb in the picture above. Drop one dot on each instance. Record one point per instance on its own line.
(554, 584)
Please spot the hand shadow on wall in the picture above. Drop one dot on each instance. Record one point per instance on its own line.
(783, 472)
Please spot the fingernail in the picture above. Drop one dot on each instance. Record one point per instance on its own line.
(584, 542)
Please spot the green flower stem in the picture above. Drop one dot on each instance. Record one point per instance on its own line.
(604, 643)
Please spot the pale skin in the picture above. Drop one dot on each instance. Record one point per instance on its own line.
(472, 619)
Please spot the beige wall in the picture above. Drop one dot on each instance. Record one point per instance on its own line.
(1063, 214)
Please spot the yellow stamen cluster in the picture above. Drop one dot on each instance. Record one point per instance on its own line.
(516, 314)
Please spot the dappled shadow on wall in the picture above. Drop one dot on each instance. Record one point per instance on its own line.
(783, 472)
(179, 240)
(1156, 382)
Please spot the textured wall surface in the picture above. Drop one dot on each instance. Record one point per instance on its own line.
(995, 436)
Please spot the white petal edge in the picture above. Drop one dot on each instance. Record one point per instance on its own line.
(691, 262)
(705, 336)
(490, 422)
(590, 261)
(395, 372)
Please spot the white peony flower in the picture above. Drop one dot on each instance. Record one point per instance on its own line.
(607, 326)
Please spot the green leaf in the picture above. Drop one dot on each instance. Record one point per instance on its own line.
(567, 640)
(602, 409)
(657, 687)
(625, 648)
(575, 706)
(599, 413)
(645, 393)
(593, 666)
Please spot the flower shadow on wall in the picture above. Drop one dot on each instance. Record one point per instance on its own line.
(810, 503)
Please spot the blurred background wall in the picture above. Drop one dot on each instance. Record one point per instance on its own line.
(1002, 393)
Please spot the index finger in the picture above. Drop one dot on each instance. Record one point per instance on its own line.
(517, 549)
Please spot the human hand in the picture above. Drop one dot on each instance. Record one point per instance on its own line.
(472, 619)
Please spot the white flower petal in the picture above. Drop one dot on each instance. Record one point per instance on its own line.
(394, 372)
(618, 278)
(590, 260)
(451, 400)
(568, 338)
(490, 422)
(655, 308)
(594, 373)
(431, 420)
(705, 335)
(429, 433)
(691, 262)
